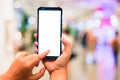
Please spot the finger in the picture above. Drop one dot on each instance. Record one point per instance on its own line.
(39, 74)
(35, 35)
(42, 55)
(65, 56)
(35, 58)
(67, 46)
(36, 44)
(22, 54)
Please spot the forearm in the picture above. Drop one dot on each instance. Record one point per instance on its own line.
(59, 74)
(7, 76)
(4, 77)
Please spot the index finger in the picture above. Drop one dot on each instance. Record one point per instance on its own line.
(42, 55)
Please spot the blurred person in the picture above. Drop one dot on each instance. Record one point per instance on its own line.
(103, 53)
(90, 44)
(21, 68)
(116, 46)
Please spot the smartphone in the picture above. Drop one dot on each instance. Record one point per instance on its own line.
(50, 30)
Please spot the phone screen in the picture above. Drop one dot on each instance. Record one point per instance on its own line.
(49, 31)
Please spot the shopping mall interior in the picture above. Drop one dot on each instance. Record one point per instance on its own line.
(91, 26)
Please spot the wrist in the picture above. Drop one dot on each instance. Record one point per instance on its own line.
(59, 74)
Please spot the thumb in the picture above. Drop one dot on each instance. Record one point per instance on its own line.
(39, 74)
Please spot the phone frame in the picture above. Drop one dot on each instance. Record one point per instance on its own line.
(50, 8)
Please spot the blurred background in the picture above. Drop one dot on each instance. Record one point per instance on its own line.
(92, 27)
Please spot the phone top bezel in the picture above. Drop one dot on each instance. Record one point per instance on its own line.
(50, 8)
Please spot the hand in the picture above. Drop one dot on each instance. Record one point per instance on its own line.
(60, 64)
(62, 61)
(21, 68)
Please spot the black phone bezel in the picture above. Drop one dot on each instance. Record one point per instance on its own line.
(50, 8)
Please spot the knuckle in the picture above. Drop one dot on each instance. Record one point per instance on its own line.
(19, 60)
(22, 62)
(36, 57)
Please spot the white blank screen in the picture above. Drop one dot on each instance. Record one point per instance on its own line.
(49, 32)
